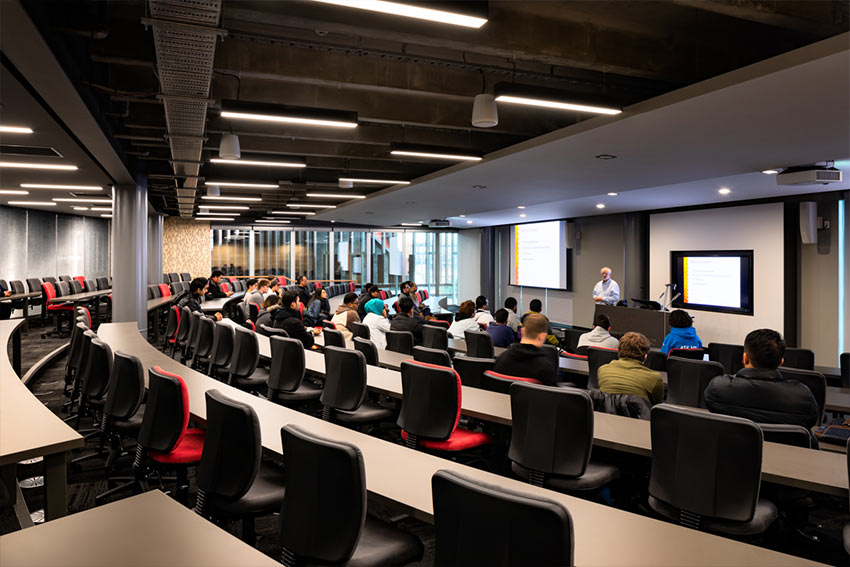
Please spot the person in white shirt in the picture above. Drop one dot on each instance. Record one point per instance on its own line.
(482, 316)
(599, 336)
(464, 320)
(376, 320)
(513, 319)
(259, 295)
(606, 291)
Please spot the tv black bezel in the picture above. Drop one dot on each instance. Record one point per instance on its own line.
(747, 277)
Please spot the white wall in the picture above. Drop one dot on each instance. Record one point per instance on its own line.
(759, 228)
(469, 264)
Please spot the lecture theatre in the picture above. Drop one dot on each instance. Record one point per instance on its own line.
(422, 282)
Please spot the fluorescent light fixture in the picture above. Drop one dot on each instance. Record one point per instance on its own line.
(82, 200)
(81, 208)
(13, 192)
(462, 216)
(240, 110)
(225, 207)
(521, 207)
(411, 224)
(335, 196)
(770, 171)
(69, 187)
(555, 99)
(374, 181)
(305, 213)
(241, 184)
(229, 198)
(600, 205)
(612, 194)
(274, 221)
(202, 213)
(522, 215)
(410, 11)
(101, 209)
(469, 222)
(724, 190)
(106, 216)
(259, 163)
(34, 203)
(215, 219)
(22, 165)
(557, 105)
(287, 119)
(15, 129)
(311, 206)
(435, 155)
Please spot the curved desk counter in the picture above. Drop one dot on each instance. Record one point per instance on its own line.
(29, 429)
(401, 475)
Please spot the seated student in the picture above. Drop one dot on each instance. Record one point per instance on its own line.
(318, 308)
(192, 298)
(371, 293)
(513, 318)
(259, 295)
(599, 336)
(502, 334)
(418, 306)
(482, 316)
(267, 309)
(250, 287)
(682, 333)
(5, 306)
(303, 290)
(628, 375)
(214, 290)
(274, 288)
(463, 320)
(536, 306)
(527, 358)
(758, 391)
(406, 320)
(346, 315)
(288, 318)
(376, 320)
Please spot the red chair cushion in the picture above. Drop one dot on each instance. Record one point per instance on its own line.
(517, 378)
(187, 450)
(164, 290)
(575, 356)
(281, 280)
(460, 440)
(225, 287)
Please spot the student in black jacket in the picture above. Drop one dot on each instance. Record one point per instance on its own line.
(5, 307)
(303, 291)
(214, 290)
(528, 359)
(372, 293)
(406, 320)
(288, 318)
(192, 298)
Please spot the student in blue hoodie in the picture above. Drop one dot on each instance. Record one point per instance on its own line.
(682, 333)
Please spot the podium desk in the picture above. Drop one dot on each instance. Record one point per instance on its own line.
(652, 324)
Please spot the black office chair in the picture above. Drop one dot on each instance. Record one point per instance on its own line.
(324, 517)
(596, 358)
(243, 371)
(185, 276)
(471, 369)
(814, 381)
(89, 286)
(173, 277)
(656, 360)
(471, 527)
(361, 330)
(344, 393)
(328, 325)
(688, 483)
(203, 343)
(501, 383)
(844, 363)
(400, 341)
(272, 331)
(369, 350)
(33, 284)
(479, 344)
(432, 356)
(333, 338)
(76, 286)
(729, 355)
(221, 351)
(687, 380)
(102, 283)
(184, 328)
(801, 358)
(435, 337)
(95, 379)
(65, 278)
(286, 382)
(49, 279)
(191, 340)
(171, 326)
(689, 353)
(233, 481)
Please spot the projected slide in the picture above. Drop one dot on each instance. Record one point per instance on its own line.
(712, 281)
(539, 255)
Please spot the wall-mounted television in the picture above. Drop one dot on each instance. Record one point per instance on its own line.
(713, 280)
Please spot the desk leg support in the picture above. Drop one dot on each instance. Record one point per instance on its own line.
(16, 352)
(55, 486)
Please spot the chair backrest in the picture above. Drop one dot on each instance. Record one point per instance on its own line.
(173, 322)
(369, 350)
(814, 381)
(76, 286)
(705, 464)
(333, 338)
(89, 285)
(597, 357)
(656, 360)
(400, 341)
(687, 379)
(194, 324)
(479, 344)
(432, 356)
(75, 348)
(164, 290)
(102, 283)
(206, 330)
(794, 435)
(431, 400)
(345, 379)
(496, 382)
(246, 353)
(801, 358)
(173, 276)
(324, 507)
(64, 278)
(49, 279)
(328, 325)
(15, 286)
(272, 331)
(844, 364)
(185, 325)
(552, 429)
(690, 353)
(63, 289)
(479, 524)
(222, 347)
(232, 447)
(471, 369)
(33, 284)
(166, 411)
(84, 312)
(435, 337)
(571, 337)
(152, 292)
(126, 387)
(175, 288)
(98, 368)
(361, 330)
(288, 366)
(185, 276)
(729, 355)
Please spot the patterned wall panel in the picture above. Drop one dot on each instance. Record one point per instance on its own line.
(186, 246)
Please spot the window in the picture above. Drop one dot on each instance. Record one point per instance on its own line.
(231, 251)
(350, 256)
(312, 254)
(421, 259)
(447, 266)
(272, 252)
(387, 259)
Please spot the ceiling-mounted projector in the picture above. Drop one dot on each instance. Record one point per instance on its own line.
(439, 223)
(808, 175)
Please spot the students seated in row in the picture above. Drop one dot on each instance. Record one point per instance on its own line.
(599, 336)
(259, 295)
(535, 306)
(376, 320)
(464, 320)
(274, 288)
(482, 315)
(758, 391)
(407, 320)
(372, 292)
(628, 375)
(288, 318)
(346, 315)
(214, 290)
(500, 332)
(513, 319)
(192, 298)
(250, 287)
(682, 333)
(527, 358)
(318, 308)
(267, 309)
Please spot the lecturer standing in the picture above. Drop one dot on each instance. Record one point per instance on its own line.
(606, 291)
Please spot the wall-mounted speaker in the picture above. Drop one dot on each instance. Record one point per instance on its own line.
(809, 222)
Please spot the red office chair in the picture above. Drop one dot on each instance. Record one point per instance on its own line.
(496, 382)
(281, 280)
(225, 287)
(48, 292)
(418, 297)
(383, 295)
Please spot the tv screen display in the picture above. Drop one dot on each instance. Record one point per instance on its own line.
(539, 256)
(713, 280)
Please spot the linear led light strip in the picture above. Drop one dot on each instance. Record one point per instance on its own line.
(435, 156)
(274, 221)
(34, 203)
(216, 219)
(375, 181)
(555, 104)
(335, 196)
(225, 207)
(69, 187)
(286, 119)
(227, 198)
(240, 184)
(408, 11)
(82, 200)
(258, 163)
(22, 165)
(13, 192)
(15, 129)
(310, 206)
(305, 213)
(209, 214)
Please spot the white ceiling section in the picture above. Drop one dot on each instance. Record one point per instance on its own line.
(673, 150)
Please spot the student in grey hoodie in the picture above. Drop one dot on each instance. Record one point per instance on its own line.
(599, 336)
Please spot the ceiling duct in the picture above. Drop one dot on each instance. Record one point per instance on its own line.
(185, 34)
